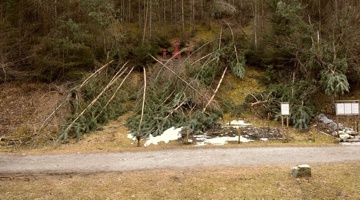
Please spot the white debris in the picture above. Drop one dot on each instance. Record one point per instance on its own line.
(237, 124)
(216, 141)
(344, 136)
(131, 136)
(222, 140)
(201, 140)
(168, 135)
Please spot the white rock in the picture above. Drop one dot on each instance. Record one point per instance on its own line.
(303, 170)
(344, 136)
(304, 166)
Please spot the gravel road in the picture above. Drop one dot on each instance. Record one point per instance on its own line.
(179, 158)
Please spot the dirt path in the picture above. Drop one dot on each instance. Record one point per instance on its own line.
(176, 159)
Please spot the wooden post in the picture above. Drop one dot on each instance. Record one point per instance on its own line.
(337, 124)
(354, 125)
(287, 126)
(287, 121)
(357, 124)
(187, 136)
(239, 132)
(138, 138)
(282, 127)
(313, 136)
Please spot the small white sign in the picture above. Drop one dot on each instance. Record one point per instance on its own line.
(347, 108)
(340, 109)
(355, 108)
(285, 108)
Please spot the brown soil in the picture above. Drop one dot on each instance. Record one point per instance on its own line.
(24, 107)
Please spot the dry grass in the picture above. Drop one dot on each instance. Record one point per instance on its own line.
(235, 90)
(113, 138)
(329, 181)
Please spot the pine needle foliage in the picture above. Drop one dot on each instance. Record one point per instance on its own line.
(303, 56)
(237, 66)
(298, 94)
(301, 115)
(334, 82)
(171, 102)
(116, 102)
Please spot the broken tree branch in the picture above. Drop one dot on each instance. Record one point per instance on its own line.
(67, 99)
(117, 89)
(50, 116)
(172, 71)
(221, 79)
(113, 80)
(217, 88)
(198, 49)
(96, 72)
(143, 103)
(258, 102)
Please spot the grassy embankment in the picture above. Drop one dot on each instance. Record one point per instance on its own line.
(329, 181)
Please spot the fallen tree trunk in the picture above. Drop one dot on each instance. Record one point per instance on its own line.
(217, 88)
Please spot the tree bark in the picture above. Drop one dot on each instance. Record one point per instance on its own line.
(2, 53)
(139, 12)
(256, 24)
(217, 88)
(164, 12)
(192, 15)
(55, 9)
(146, 10)
(336, 11)
(182, 16)
(143, 103)
(129, 10)
(150, 19)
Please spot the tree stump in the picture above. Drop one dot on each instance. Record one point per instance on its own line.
(301, 171)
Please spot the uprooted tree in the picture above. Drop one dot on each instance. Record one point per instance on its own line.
(181, 94)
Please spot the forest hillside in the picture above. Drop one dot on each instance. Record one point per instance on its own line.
(73, 65)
